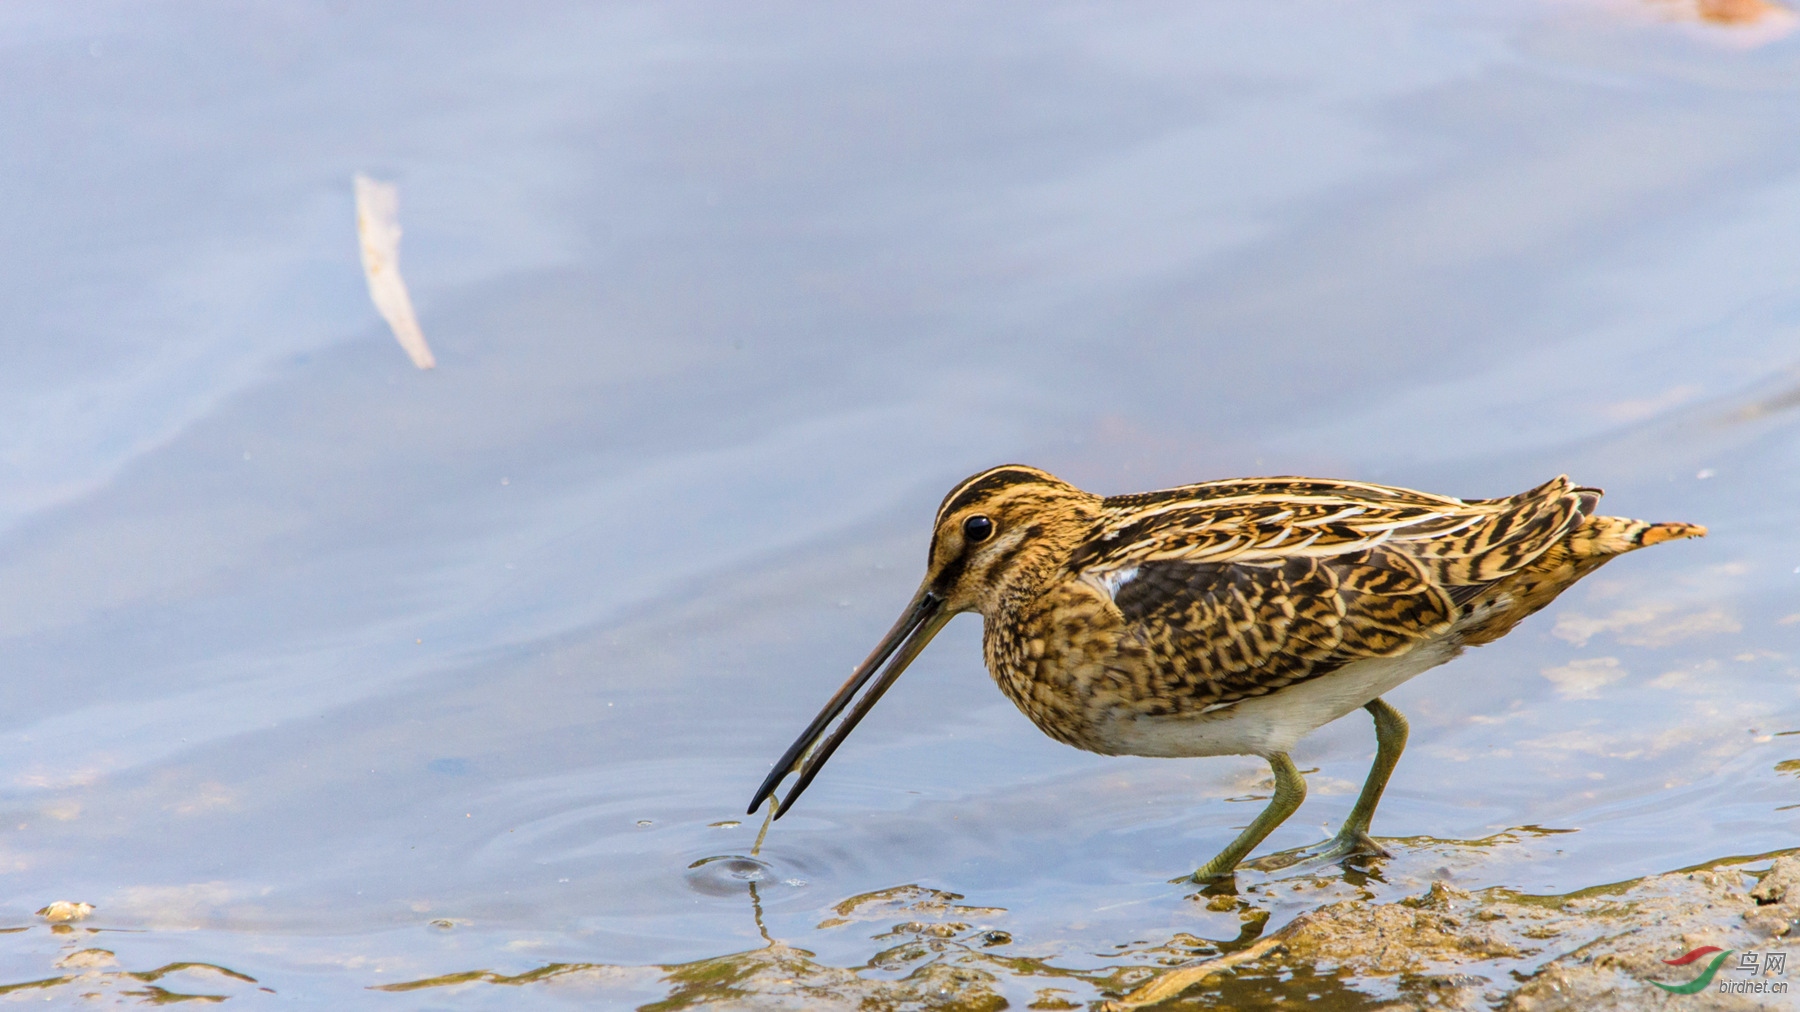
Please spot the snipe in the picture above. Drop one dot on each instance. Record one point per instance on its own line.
(1229, 617)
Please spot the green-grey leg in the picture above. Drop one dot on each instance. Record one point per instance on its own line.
(1390, 741)
(1290, 790)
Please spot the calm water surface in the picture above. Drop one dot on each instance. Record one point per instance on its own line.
(339, 675)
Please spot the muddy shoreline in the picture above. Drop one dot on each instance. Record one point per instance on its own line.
(1601, 948)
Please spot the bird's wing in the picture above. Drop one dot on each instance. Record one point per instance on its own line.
(1239, 588)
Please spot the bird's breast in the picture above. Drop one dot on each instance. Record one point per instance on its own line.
(1065, 658)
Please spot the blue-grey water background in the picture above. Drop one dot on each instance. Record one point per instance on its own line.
(304, 650)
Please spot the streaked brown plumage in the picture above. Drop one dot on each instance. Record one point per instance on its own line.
(1230, 617)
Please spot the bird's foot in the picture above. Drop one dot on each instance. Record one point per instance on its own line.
(1346, 845)
(1214, 877)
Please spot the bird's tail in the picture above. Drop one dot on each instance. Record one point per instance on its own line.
(1592, 541)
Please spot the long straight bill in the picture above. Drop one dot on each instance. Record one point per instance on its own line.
(921, 621)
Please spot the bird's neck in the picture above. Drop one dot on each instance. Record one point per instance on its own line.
(1038, 563)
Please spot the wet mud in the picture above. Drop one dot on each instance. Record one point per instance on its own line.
(1603, 948)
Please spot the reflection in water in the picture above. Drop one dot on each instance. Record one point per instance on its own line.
(1444, 946)
(907, 899)
(928, 949)
(727, 875)
(936, 952)
(926, 960)
(344, 675)
(95, 980)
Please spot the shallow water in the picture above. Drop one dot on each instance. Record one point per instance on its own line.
(337, 675)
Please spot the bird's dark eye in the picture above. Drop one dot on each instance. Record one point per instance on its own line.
(978, 528)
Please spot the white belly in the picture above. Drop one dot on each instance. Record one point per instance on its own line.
(1262, 725)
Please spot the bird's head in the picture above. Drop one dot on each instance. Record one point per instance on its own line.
(1001, 532)
(997, 533)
